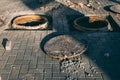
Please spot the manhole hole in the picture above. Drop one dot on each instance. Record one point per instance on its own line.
(30, 22)
(92, 23)
(64, 46)
(115, 8)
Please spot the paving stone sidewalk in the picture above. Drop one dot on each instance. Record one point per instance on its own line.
(26, 60)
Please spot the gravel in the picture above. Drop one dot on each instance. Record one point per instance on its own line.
(76, 66)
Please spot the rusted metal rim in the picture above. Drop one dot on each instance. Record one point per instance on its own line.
(85, 23)
(30, 22)
(64, 46)
(115, 8)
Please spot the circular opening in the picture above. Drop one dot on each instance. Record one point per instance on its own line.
(64, 46)
(90, 23)
(30, 22)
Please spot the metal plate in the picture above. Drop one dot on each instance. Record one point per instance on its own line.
(64, 46)
(115, 8)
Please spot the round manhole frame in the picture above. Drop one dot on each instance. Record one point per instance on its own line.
(65, 56)
(82, 28)
(15, 23)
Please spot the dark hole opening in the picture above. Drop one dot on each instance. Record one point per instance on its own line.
(85, 22)
(32, 23)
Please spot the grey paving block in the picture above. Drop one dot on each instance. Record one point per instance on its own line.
(40, 62)
(48, 70)
(29, 50)
(56, 75)
(5, 71)
(81, 78)
(44, 66)
(35, 71)
(20, 56)
(24, 66)
(62, 78)
(14, 52)
(11, 59)
(27, 76)
(2, 64)
(2, 52)
(55, 69)
(38, 76)
(4, 76)
(27, 57)
(18, 62)
(47, 75)
(14, 74)
(8, 66)
(22, 76)
(23, 70)
(49, 62)
(32, 65)
(23, 46)
(16, 46)
(16, 66)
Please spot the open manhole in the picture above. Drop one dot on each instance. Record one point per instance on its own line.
(64, 46)
(30, 22)
(115, 8)
(91, 23)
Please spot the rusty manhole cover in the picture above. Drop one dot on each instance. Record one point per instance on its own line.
(64, 46)
(115, 8)
(30, 22)
(91, 23)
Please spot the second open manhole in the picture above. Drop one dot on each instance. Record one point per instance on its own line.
(92, 23)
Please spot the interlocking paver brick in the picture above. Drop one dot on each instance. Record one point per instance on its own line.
(27, 57)
(47, 75)
(20, 56)
(38, 76)
(45, 66)
(2, 63)
(14, 74)
(8, 66)
(16, 46)
(56, 75)
(5, 71)
(11, 59)
(4, 76)
(18, 62)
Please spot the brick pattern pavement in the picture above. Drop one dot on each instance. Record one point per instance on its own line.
(26, 61)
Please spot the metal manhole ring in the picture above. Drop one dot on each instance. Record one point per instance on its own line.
(85, 23)
(30, 22)
(64, 46)
(115, 8)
